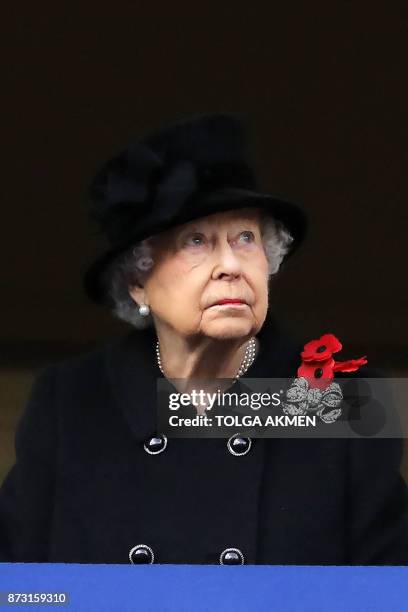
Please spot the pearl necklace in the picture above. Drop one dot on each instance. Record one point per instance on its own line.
(248, 359)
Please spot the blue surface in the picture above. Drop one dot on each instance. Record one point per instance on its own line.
(204, 587)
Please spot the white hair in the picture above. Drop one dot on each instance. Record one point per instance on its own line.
(132, 266)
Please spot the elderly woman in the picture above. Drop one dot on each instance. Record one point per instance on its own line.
(193, 246)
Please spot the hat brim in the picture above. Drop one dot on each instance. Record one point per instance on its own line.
(292, 215)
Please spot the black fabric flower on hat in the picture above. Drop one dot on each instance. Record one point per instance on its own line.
(136, 186)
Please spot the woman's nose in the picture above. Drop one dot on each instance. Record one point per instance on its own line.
(227, 262)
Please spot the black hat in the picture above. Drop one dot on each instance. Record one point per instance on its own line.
(187, 169)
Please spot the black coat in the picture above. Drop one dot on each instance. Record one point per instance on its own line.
(84, 490)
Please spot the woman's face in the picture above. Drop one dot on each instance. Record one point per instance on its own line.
(213, 258)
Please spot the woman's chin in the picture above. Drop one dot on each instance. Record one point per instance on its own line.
(228, 328)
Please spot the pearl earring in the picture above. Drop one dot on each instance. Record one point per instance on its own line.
(144, 310)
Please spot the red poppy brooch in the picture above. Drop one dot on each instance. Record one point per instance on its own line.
(313, 391)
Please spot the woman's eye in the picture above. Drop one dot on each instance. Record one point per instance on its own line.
(195, 240)
(248, 236)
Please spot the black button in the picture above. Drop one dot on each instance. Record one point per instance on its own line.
(141, 554)
(318, 372)
(155, 444)
(238, 445)
(321, 348)
(231, 556)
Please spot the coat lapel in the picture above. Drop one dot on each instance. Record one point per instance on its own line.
(132, 371)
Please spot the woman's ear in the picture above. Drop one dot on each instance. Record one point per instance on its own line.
(138, 293)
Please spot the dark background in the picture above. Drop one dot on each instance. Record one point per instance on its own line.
(325, 86)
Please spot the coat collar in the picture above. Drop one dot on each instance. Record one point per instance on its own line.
(132, 370)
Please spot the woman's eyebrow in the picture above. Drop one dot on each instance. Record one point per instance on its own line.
(195, 228)
(245, 224)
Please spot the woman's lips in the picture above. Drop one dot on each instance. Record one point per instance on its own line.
(230, 302)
